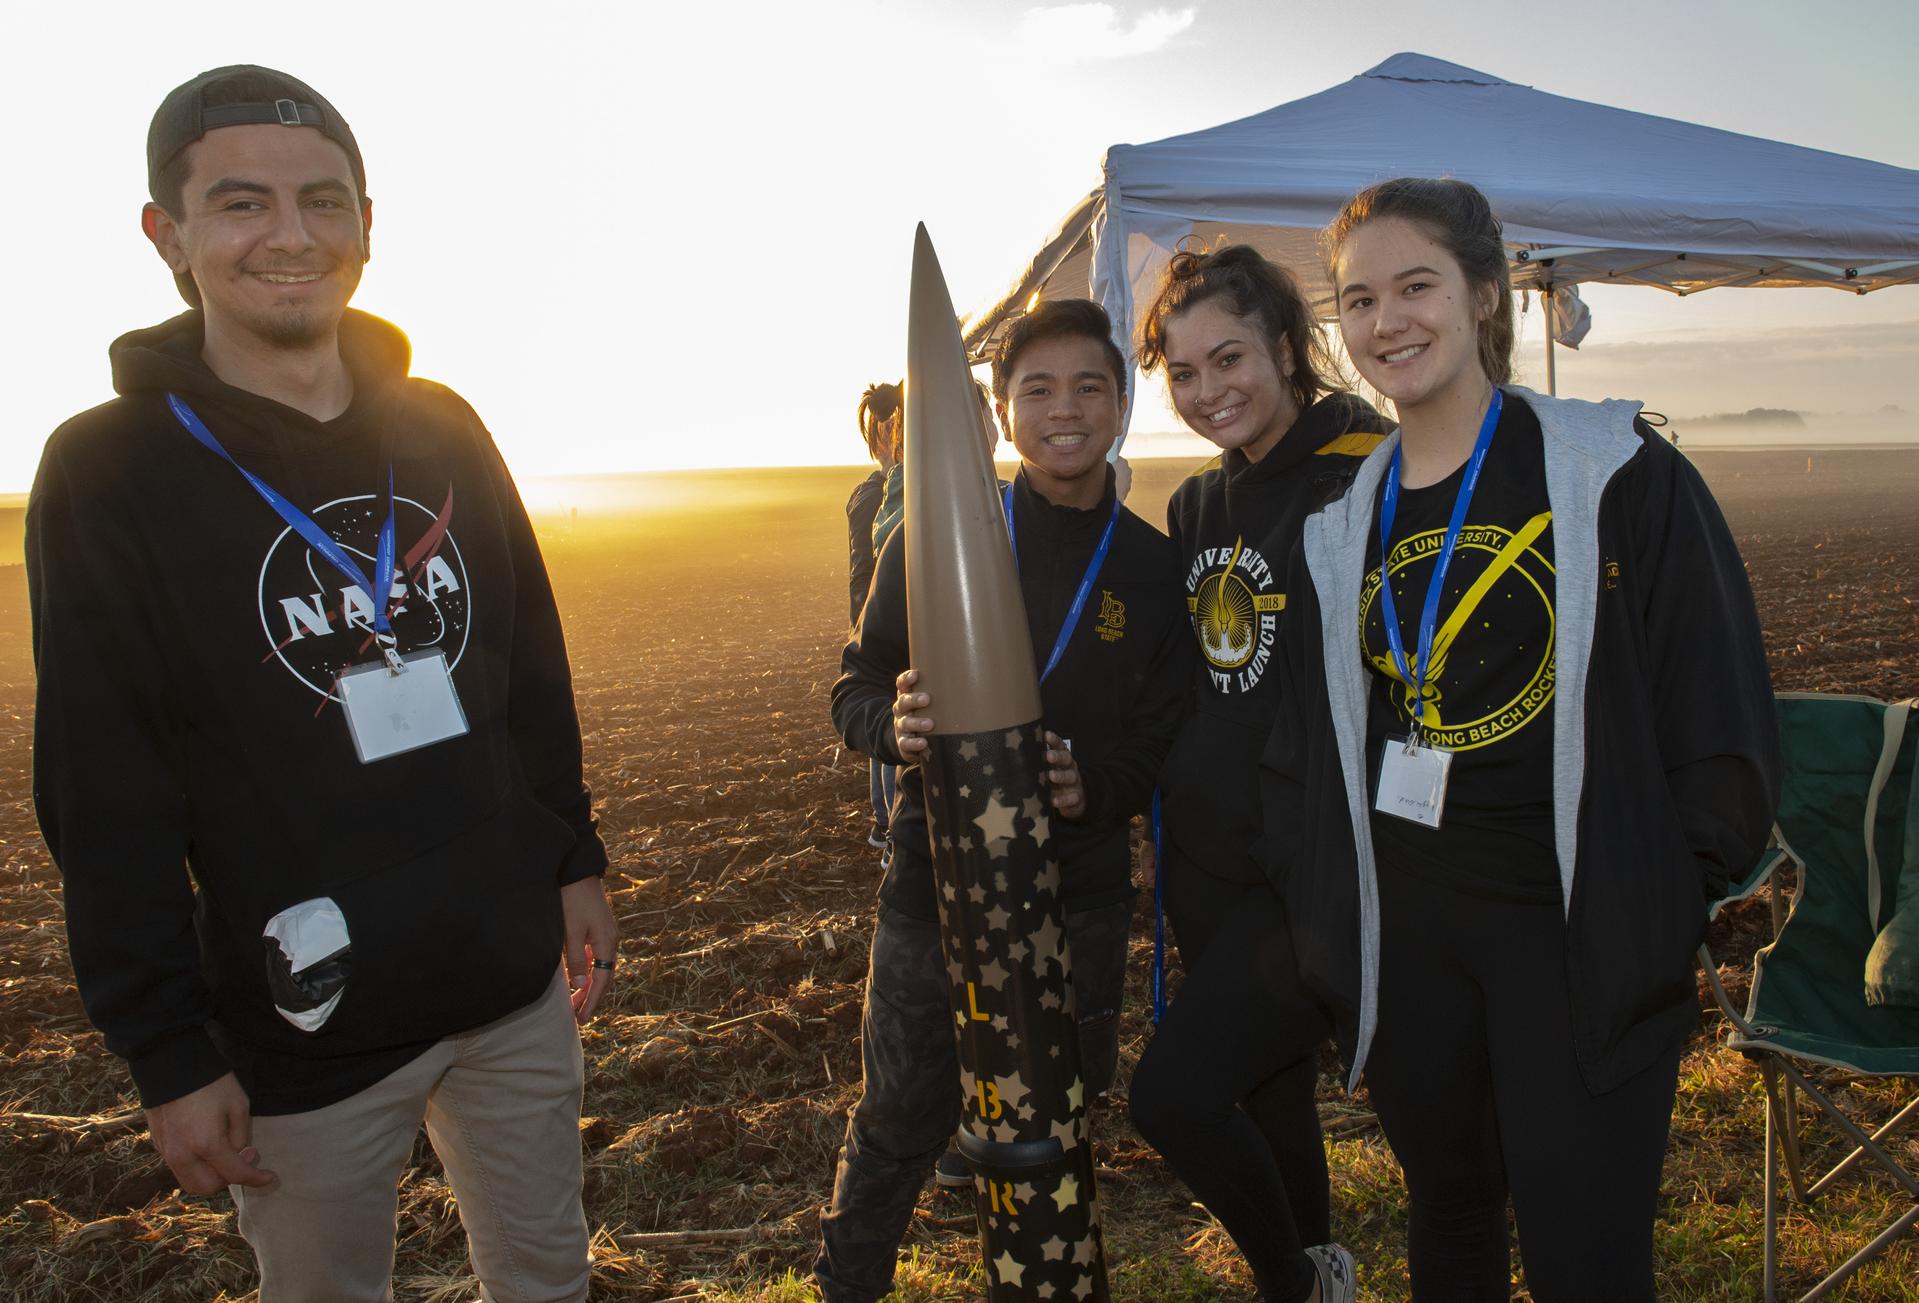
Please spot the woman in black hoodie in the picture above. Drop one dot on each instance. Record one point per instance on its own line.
(1225, 1091)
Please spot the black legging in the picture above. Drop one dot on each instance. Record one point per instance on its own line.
(1473, 1073)
(1240, 1020)
(1284, 1107)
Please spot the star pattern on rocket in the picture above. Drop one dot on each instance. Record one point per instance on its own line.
(1012, 1091)
(1046, 939)
(1067, 1194)
(996, 827)
(1009, 962)
(1049, 878)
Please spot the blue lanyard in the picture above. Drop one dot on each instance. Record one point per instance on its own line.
(1078, 607)
(316, 538)
(1429, 616)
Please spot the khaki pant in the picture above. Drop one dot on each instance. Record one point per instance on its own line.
(501, 1105)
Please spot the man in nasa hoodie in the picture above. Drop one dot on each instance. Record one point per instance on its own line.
(330, 867)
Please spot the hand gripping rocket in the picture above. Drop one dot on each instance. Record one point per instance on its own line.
(1002, 923)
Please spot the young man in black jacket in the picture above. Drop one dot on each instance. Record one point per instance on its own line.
(374, 783)
(1114, 685)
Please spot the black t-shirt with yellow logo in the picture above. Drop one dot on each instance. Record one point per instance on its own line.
(1489, 692)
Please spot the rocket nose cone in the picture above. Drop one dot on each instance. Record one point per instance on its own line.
(931, 303)
(965, 618)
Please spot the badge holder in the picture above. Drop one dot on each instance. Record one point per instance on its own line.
(1412, 780)
(392, 711)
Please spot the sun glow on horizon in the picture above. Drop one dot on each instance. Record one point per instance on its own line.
(613, 298)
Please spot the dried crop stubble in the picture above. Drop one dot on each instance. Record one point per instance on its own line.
(704, 639)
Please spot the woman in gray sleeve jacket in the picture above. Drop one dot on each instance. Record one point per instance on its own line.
(1526, 733)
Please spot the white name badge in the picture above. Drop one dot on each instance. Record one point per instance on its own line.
(389, 713)
(1412, 784)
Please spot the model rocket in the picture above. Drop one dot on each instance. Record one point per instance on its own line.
(988, 812)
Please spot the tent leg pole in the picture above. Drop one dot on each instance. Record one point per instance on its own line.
(1552, 377)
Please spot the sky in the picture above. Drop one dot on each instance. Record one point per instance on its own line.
(640, 236)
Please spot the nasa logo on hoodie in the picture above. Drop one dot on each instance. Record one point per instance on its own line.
(317, 623)
(1235, 612)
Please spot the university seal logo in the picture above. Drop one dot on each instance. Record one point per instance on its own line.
(1498, 595)
(1235, 613)
(317, 623)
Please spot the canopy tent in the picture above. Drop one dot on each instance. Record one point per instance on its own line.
(1587, 194)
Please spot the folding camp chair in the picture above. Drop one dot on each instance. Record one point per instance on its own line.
(1849, 826)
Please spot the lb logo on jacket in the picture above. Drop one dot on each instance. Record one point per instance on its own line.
(317, 623)
(1235, 611)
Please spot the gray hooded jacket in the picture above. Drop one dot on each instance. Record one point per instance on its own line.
(1661, 686)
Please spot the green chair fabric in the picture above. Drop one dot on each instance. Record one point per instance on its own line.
(1747, 887)
(1847, 760)
(1835, 985)
(1892, 965)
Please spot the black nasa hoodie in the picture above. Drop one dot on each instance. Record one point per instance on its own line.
(1119, 691)
(187, 643)
(1236, 524)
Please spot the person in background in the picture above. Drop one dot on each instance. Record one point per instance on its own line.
(305, 749)
(989, 426)
(1525, 735)
(1107, 629)
(1225, 1089)
(880, 421)
(892, 508)
(880, 427)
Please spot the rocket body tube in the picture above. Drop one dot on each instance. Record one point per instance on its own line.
(989, 817)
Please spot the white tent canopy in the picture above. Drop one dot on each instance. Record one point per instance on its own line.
(1587, 194)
